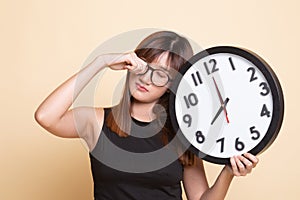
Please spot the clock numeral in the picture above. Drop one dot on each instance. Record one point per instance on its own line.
(231, 63)
(191, 100)
(200, 137)
(187, 119)
(265, 111)
(221, 140)
(196, 78)
(252, 77)
(213, 69)
(265, 87)
(255, 133)
(239, 145)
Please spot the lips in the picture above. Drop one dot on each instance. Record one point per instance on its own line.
(141, 88)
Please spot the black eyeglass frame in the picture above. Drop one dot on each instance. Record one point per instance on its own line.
(151, 75)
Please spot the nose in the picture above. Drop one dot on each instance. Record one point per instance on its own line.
(146, 78)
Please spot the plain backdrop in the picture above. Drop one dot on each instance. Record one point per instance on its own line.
(43, 42)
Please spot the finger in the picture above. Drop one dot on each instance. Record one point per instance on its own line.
(116, 61)
(252, 158)
(247, 163)
(241, 166)
(234, 167)
(140, 65)
(139, 61)
(130, 62)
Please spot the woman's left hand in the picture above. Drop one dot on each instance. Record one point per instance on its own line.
(242, 165)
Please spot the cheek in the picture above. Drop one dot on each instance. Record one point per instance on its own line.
(158, 92)
(154, 94)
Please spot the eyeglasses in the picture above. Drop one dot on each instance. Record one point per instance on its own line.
(158, 77)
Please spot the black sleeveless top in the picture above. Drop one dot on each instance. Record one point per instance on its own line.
(135, 167)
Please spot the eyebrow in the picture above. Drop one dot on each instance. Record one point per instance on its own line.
(161, 67)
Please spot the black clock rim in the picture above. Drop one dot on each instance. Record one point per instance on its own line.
(274, 84)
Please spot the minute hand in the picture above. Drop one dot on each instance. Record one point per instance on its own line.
(221, 100)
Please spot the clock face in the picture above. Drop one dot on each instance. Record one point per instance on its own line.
(225, 103)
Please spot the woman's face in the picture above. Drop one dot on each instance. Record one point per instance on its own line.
(141, 87)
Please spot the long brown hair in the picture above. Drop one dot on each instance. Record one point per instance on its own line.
(179, 51)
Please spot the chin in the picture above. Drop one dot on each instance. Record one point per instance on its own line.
(142, 98)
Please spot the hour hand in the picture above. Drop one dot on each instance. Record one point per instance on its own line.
(222, 107)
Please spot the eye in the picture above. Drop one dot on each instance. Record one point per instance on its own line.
(161, 73)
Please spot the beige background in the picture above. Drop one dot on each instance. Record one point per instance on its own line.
(44, 42)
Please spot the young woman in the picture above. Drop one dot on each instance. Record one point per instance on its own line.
(139, 124)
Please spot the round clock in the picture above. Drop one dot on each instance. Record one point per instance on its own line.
(226, 101)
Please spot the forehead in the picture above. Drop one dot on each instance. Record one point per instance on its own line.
(162, 62)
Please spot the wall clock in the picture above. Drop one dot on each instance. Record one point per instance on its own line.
(226, 101)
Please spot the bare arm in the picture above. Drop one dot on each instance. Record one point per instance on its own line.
(54, 113)
(195, 182)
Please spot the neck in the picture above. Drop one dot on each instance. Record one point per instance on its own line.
(142, 111)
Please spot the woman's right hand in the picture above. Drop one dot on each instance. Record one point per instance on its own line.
(123, 61)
